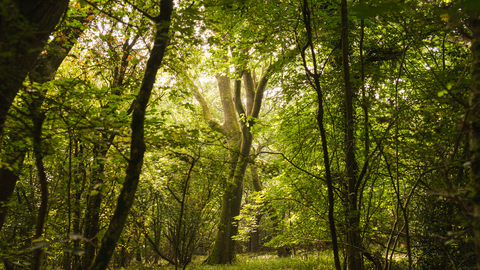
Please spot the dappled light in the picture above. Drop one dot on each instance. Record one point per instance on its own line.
(239, 134)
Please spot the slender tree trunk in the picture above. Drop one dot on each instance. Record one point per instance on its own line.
(353, 254)
(320, 114)
(94, 202)
(137, 150)
(38, 117)
(474, 25)
(255, 235)
(94, 199)
(80, 178)
(92, 213)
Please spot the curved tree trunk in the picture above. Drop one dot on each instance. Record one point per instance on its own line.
(24, 29)
(239, 140)
(13, 153)
(320, 114)
(224, 248)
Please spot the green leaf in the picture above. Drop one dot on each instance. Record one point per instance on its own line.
(135, 61)
(441, 93)
(363, 10)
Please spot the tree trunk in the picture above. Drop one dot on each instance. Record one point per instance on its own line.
(9, 177)
(94, 202)
(92, 215)
(38, 117)
(12, 154)
(474, 25)
(137, 150)
(255, 234)
(224, 248)
(80, 179)
(239, 140)
(353, 254)
(320, 114)
(24, 29)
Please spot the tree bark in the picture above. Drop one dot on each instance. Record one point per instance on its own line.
(38, 117)
(474, 25)
(223, 251)
(354, 258)
(137, 149)
(12, 152)
(24, 29)
(92, 211)
(224, 248)
(320, 114)
(255, 234)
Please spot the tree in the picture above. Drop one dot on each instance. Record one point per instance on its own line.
(132, 177)
(46, 66)
(365, 145)
(26, 27)
(316, 84)
(15, 151)
(474, 26)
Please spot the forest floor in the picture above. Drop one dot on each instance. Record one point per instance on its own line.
(266, 261)
(253, 261)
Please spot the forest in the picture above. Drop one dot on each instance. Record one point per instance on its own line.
(239, 134)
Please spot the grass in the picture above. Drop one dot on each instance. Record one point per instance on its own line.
(269, 261)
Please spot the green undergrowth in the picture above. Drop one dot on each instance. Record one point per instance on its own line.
(253, 261)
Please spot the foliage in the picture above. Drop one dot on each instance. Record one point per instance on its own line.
(410, 78)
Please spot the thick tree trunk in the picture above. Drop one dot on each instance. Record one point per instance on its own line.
(9, 177)
(223, 251)
(137, 150)
(15, 149)
(224, 248)
(24, 29)
(239, 140)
